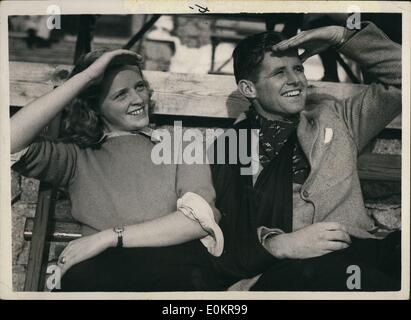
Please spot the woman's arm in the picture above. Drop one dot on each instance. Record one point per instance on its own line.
(30, 120)
(172, 229)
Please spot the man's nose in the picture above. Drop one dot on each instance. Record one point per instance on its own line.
(292, 77)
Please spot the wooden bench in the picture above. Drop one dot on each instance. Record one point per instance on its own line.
(203, 100)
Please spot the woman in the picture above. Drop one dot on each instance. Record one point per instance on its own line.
(142, 222)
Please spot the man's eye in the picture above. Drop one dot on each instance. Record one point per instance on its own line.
(299, 68)
(278, 73)
(140, 87)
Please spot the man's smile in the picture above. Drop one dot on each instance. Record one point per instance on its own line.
(292, 93)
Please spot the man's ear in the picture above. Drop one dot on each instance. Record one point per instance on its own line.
(247, 89)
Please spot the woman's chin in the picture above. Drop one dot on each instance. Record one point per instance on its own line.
(141, 123)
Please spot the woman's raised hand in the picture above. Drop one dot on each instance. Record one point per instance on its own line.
(312, 41)
(95, 71)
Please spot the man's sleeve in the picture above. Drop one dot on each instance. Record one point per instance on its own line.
(368, 112)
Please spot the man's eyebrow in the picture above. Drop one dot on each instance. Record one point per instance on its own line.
(275, 70)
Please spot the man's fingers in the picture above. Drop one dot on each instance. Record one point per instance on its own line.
(293, 42)
(330, 226)
(336, 245)
(337, 235)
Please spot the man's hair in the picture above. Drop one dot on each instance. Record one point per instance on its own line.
(249, 53)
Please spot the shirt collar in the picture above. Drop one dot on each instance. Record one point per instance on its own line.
(146, 131)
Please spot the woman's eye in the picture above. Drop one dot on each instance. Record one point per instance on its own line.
(121, 95)
(299, 68)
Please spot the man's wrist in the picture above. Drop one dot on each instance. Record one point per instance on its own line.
(347, 34)
(273, 245)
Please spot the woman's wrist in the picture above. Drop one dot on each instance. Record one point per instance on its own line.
(84, 78)
(109, 237)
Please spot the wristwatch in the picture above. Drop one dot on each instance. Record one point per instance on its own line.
(120, 233)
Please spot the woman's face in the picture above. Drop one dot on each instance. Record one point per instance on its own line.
(124, 104)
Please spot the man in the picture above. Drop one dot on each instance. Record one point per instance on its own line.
(300, 222)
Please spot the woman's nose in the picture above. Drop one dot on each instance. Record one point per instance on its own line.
(136, 98)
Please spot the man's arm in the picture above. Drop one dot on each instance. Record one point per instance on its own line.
(367, 113)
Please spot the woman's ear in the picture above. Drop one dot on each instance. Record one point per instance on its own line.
(247, 89)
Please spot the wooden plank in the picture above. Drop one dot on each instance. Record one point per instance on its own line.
(39, 249)
(61, 231)
(180, 94)
(385, 167)
(22, 93)
(39, 246)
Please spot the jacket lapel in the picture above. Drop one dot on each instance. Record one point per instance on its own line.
(311, 135)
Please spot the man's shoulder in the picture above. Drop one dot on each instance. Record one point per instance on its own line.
(319, 101)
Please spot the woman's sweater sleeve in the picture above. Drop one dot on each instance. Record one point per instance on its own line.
(48, 161)
(196, 195)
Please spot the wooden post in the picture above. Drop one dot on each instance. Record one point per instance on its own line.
(84, 36)
(46, 202)
(39, 248)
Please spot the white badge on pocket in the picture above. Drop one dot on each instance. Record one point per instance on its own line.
(328, 135)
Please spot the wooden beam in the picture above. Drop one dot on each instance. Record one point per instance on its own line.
(39, 246)
(379, 167)
(61, 231)
(178, 94)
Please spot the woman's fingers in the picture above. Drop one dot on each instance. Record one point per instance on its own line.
(126, 53)
(67, 257)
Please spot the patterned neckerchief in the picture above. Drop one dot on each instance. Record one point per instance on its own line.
(273, 135)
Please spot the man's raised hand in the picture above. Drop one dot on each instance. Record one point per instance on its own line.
(312, 41)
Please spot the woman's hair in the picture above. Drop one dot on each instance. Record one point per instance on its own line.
(82, 122)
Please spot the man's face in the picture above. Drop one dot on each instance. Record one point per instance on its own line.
(281, 84)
